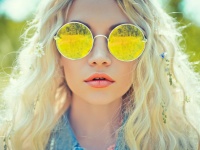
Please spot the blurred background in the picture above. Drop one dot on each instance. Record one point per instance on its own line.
(15, 13)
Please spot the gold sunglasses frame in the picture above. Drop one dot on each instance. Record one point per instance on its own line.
(100, 35)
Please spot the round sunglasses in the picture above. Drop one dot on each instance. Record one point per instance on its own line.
(126, 42)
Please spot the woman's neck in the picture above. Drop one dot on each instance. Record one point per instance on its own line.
(95, 125)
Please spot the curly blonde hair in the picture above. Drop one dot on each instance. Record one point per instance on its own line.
(159, 114)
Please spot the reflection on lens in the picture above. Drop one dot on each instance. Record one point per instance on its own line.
(126, 42)
(74, 40)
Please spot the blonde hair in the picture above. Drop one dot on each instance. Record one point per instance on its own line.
(159, 116)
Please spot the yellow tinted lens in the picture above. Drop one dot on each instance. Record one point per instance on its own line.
(126, 42)
(74, 40)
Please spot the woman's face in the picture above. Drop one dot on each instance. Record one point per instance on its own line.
(100, 15)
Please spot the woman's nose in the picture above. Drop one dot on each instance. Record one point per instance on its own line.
(99, 54)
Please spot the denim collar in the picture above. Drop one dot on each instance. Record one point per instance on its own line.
(63, 137)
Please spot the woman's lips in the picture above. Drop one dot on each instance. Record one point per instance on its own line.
(99, 83)
(98, 80)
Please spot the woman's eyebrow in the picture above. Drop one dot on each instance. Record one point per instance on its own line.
(81, 22)
(110, 28)
(115, 25)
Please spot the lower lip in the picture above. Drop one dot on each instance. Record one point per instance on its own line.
(99, 83)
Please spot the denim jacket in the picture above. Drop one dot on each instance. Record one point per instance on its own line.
(63, 137)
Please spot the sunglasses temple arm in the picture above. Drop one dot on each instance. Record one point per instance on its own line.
(145, 39)
(55, 37)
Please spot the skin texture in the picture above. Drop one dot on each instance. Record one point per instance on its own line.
(95, 112)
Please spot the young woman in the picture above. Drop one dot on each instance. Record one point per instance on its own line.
(101, 75)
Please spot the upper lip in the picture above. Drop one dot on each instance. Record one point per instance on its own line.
(99, 75)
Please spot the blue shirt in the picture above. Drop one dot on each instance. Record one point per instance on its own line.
(63, 137)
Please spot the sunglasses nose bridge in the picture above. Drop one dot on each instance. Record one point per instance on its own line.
(99, 54)
(100, 35)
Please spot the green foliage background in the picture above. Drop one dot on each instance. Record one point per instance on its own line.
(10, 42)
(191, 33)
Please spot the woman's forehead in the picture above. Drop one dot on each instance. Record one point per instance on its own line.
(96, 11)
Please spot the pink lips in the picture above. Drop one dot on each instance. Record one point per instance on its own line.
(99, 80)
